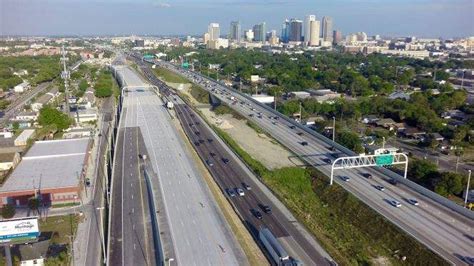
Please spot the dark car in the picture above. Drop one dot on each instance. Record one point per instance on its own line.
(266, 209)
(327, 160)
(198, 123)
(230, 192)
(197, 133)
(292, 127)
(256, 213)
(367, 175)
(212, 154)
(196, 143)
(191, 124)
(209, 162)
(225, 160)
(210, 140)
(300, 133)
(304, 143)
(393, 181)
(201, 141)
(251, 115)
(88, 182)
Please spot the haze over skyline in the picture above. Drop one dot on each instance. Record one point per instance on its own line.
(436, 18)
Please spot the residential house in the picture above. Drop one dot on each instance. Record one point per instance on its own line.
(299, 94)
(370, 119)
(386, 123)
(34, 254)
(412, 133)
(379, 150)
(437, 137)
(399, 95)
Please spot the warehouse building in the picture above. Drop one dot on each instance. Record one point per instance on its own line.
(51, 170)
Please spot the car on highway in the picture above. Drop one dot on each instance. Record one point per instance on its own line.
(381, 188)
(197, 133)
(292, 127)
(251, 115)
(201, 141)
(225, 160)
(392, 181)
(300, 133)
(327, 160)
(367, 175)
(395, 203)
(413, 202)
(256, 213)
(304, 143)
(230, 192)
(344, 178)
(210, 140)
(240, 191)
(209, 162)
(196, 143)
(265, 208)
(246, 186)
(88, 182)
(212, 154)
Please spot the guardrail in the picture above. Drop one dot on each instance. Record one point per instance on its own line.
(414, 186)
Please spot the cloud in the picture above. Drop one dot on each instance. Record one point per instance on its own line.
(161, 4)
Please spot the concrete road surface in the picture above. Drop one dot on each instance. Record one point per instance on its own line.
(199, 232)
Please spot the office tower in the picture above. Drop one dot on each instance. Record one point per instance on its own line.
(307, 28)
(235, 31)
(249, 35)
(296, 27)
(336, 37)
(259, 32)
(315, 26)
(214, 31)
(285, 31)
(327, 29)
(273, 40)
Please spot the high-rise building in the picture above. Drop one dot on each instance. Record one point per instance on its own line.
(296, 27)
(336, 37)
(314, 28)
(249, 35)
(259, 31)
(273, 39)
(285, 31)
(307, 28)
(327, 29)
(235, 31)
(214, 31)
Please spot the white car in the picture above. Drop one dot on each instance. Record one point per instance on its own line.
(395, 203)
(240, 192)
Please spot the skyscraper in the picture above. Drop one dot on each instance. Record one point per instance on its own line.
(296, 27)
(214, 31)
(327, 29)
(307, 28)
(336, 37)
(259, 32)
(315, 26)
(249, 35)
(235, 31)
(285, 31)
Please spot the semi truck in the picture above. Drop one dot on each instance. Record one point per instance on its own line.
(277, 253)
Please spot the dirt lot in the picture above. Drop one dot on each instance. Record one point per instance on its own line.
(260, 146)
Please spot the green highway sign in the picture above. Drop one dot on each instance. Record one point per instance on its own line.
(185, 65)
(382, 160)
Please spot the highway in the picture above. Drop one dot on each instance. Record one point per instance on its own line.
(199, 232)
(231, 175)
(444, 231)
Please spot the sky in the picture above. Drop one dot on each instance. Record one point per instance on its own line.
(421, 18)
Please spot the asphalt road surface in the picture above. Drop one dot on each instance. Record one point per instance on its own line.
(199, 232)
(444, 231)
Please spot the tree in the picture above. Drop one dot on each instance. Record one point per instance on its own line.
(449, 183)
(422, 171)
(50, 116)
(83, 85)
(350, 140)
(8, 211)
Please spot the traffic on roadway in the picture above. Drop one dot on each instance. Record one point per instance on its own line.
(446, 232)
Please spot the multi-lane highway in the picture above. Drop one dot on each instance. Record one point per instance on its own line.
(199, 232)
(444, 231)
(230, 175)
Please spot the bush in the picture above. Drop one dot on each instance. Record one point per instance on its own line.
(50, 116)
(8, 211)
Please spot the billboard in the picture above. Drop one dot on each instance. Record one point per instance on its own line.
(16, 230)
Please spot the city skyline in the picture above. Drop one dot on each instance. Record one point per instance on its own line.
(145, 17)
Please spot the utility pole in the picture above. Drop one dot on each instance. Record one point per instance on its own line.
(65, 76)
(462, 79)
(467, 188)
(334, 129)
